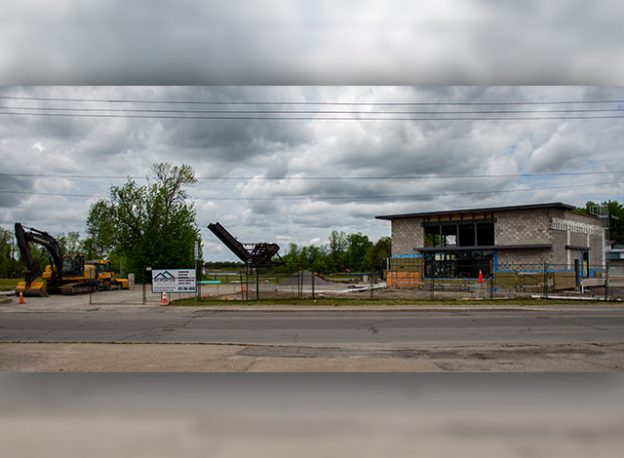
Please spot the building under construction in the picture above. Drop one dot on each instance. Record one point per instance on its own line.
(501, 243)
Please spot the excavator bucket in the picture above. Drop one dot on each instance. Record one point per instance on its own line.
(36, 289)
(122, 283)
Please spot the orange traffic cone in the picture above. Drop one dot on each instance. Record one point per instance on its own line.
(163, 298)
(480, 277)
(21, 298)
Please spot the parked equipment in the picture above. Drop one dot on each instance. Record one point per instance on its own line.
(257, 254)
(107, 278)
(66, 274)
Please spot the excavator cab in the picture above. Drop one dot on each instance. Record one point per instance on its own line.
(73, 266)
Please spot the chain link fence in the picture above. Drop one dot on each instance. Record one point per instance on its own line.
(256, 284)
(435, 282)
(431, 281)
(442, 280)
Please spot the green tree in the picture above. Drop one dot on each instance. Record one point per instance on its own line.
(616, 218)
(10, 267)
(70, 243)
(359, 244)
(149, 225)
(338, 244)
(378, 253)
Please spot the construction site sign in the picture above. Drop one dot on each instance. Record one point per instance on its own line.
(173, 281)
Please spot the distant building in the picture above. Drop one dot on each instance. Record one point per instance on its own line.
(499, 240)
(616, 260)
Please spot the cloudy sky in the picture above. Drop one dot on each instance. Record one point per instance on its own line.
(332, 159)
(379, 107)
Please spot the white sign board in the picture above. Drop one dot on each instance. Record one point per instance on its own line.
(173, 281)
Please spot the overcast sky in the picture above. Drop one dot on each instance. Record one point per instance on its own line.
(296, 180)
(319, 52)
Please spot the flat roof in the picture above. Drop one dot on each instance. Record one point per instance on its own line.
(558, 205)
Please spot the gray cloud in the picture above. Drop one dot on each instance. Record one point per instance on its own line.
(257, 150)
(302, 42)
(14, 186)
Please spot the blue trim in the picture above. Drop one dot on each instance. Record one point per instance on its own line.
(535, 271)
(406, 256)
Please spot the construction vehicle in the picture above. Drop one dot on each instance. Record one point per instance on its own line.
(65, 274)
(107, 278)
(252, 254)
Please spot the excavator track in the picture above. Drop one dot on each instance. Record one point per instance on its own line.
(70, 289)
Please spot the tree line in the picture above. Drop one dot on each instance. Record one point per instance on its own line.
(343, 253)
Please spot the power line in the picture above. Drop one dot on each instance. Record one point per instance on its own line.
(309, 118)
(330, 197)
(328, 178)
(349, 112)
(307, 102)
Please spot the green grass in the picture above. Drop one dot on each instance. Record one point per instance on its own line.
(364, 302)
(8, 284)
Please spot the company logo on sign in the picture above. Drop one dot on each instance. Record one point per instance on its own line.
(165, 276)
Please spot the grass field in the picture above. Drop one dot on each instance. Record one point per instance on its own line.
(364, 302)
(8, 284)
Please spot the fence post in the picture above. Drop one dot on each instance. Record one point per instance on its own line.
(313, 285)
(432, 281)
(247, 282)
(370, 284)
(545, 280)
(491, 278)
(257, 283)
(606, 296)
(241, 286)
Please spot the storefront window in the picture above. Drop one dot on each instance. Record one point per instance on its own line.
(460, 264)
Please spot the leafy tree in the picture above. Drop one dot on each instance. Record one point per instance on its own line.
(356, 251)
(338, 244)
(70, 243)
(291, 259)
(10, 267)
(353, 251)
(149, 225)
(616, 218)
(377, 253)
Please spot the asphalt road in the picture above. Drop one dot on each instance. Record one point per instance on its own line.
(318, 329)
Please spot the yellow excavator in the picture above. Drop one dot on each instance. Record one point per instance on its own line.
(107, 278)
(66, 274)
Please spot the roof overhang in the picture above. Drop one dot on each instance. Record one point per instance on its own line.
(555, 205)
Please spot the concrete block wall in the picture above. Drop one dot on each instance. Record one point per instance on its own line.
(522, 227)
(595, 242)
(523, 259)
(407, 234)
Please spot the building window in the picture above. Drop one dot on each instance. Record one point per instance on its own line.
(485, 234)
(459, 234)
(459, 264)
(467, 234)
(432, 236)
